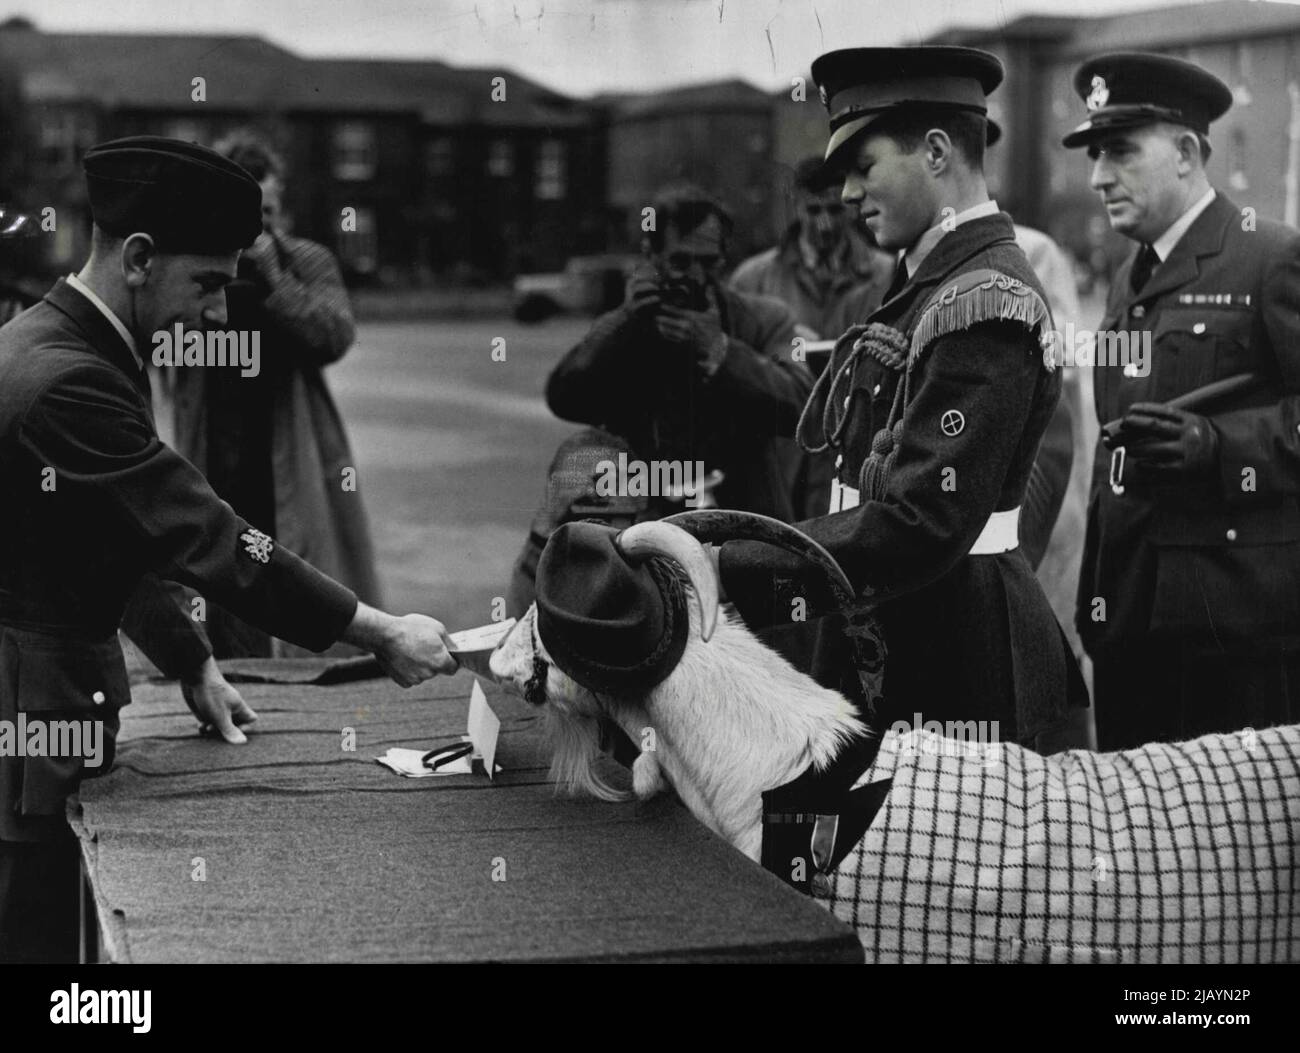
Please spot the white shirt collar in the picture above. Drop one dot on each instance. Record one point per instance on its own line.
(915, 256)
(104, 309)
(1165, 243)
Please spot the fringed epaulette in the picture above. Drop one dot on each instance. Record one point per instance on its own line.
(983, 295)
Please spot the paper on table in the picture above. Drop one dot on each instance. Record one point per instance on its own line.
(410, 763)
(484, 727)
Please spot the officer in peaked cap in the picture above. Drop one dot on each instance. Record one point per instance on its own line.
(932, 408)
(1191, 567)
(97, 507)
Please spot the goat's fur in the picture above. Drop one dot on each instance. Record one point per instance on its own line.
(732, 719)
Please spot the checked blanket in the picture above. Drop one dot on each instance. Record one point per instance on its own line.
(1168, 853)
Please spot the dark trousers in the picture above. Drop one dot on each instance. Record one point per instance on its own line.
(40, 901)
(1168, 692)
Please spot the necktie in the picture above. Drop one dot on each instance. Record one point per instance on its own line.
(899, 280)
(1146, 262)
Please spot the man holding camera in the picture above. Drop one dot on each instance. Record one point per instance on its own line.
(686, 370)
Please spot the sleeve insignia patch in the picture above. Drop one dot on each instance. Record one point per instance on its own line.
(257, 545)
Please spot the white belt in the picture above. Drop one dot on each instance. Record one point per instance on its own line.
(1000, 534)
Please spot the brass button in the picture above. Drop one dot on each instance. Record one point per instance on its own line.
(1231, 535)
(1198, 328)
(98, 698)
(839, 461)
(846, 401)
(1139, 311)
(875, 391)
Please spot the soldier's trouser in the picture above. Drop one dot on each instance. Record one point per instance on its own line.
(40, 901)
(1170, 692)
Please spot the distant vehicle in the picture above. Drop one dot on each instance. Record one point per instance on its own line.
(588, 285)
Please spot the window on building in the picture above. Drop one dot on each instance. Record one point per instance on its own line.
(359, 249)
(551, 171)
(1237, 160)
(355, 155)
(501, 158)
(63, 136)
(440, 157)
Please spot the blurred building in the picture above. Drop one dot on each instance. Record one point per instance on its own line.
(1252, 45)
(718, 135)
(446, 182)
(443, 177)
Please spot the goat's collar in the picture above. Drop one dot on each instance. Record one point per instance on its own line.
(818, 817)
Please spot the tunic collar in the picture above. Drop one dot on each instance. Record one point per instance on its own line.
(915, 256)
(103, 308)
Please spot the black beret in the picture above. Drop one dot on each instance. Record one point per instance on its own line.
(1130, 88)
(857, 85)
(187, 197)
(611, 624)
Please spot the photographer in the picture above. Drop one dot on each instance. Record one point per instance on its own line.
(687, 370)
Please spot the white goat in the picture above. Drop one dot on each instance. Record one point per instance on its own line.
(1183, 852)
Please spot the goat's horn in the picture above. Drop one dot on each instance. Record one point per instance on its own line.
(657, 538)
(727, 524)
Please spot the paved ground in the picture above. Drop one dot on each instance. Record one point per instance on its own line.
(452, 448)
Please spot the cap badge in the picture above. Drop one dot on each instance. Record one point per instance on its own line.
(257, 545)
(821, 94)
(1099, 95)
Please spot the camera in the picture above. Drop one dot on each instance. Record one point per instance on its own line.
(684, 294)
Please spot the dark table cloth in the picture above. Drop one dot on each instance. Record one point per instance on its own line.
(312, 853)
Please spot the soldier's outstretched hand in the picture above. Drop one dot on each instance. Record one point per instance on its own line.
(216, 704)
(410, 649)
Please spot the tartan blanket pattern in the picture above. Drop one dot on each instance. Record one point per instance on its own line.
(1168, 853)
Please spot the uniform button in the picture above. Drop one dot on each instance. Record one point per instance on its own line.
(1139, 311)
(1198, 328)
(1231, 535)
(98, 698)
(839, 461)
(1131, 370)
(846, 401)
(875, 391)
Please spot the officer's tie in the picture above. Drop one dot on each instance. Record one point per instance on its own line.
(899, 280)
(1146, 262)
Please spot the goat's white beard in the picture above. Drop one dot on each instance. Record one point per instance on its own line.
(733, 720)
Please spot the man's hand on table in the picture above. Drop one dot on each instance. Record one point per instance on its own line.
(410, 649)
(216, 703)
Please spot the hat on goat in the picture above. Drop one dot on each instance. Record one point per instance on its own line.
(186, 197)
(1130, 88)
(860, 85)
(610, 623)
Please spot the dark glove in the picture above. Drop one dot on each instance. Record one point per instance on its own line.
(1167, 445)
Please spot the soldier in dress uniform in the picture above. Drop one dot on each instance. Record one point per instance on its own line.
(925, 511)
(97, 507)
(1189, 597)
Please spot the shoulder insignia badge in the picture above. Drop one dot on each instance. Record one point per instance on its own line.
(979, 296)
(257, 545)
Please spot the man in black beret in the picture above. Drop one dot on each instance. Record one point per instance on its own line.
(927, 497)
(1189, 597)
(98, 507)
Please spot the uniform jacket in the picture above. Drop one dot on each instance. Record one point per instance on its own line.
(95, 503)
(969, 637)
(625, 378)
(1216, 564)
(274, 445)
